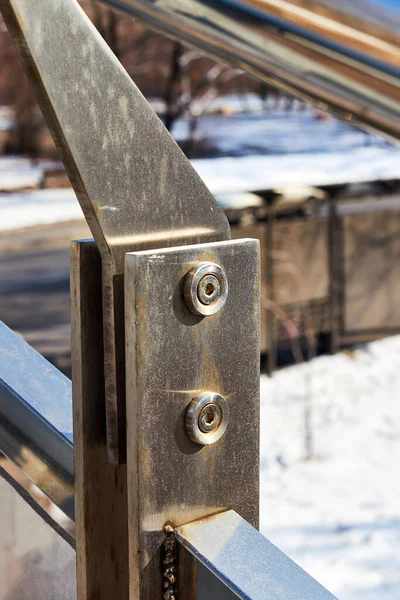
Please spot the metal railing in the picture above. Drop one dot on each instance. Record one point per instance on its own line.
(36, 419)
(342, 56)
(165, 306)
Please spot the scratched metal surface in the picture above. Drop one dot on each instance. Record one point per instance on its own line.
(136, 188)
(171, 355)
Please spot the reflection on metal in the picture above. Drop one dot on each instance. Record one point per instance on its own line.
(246, 562)
(36, 419)
(134, 184)
(171, 356)
(37, 561)
(341, 55)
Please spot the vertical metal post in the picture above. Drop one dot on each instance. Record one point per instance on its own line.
(100, 488)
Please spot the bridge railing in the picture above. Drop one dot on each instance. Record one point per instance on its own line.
(162, 419)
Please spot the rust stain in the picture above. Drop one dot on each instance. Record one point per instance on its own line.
(145, 458)
(210, 460)
(195, 333)
(183, 529)
(210, 378)
(208, 255)
(97, 210)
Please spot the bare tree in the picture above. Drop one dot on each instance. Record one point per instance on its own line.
(23, 137)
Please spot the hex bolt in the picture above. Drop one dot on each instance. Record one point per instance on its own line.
(207, 418)
(205, 289)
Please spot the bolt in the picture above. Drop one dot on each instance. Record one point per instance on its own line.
(210, 418)
(207, 418)
(205, 289)
(208, 289)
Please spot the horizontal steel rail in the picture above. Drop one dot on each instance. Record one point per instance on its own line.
(342, 56)
(36, 434)
(36, 419)
(245, 561)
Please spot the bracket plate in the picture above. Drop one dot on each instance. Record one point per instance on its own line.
(171, 356)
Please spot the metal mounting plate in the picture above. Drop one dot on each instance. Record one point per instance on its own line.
(172, 355)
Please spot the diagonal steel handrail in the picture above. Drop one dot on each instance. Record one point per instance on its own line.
(136, 188)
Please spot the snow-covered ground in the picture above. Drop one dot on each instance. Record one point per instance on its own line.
(17, 172)
(252, 151)
(38, 207)
(338, 514)
(258, 173)
(257, 132)
(227, 178)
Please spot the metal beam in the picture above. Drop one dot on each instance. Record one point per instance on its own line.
(341, 56)
(101, 530)
(192, 393)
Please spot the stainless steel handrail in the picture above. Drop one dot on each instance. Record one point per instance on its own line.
(342, 56)
(245, 562)
(36, 434)
(36, 419)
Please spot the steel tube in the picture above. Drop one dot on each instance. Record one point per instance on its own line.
(342, 56)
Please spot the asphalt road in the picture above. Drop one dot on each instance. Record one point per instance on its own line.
(34, 288)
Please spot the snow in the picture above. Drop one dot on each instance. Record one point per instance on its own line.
(252, 151)
(275, 132)
(338, 514)
(223, 176)
(258, 173)
(38, 207)
(17, 173)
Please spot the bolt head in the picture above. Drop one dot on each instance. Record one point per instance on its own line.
(207, 418)
(209, 289)
(210, 417)
(205, 289)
